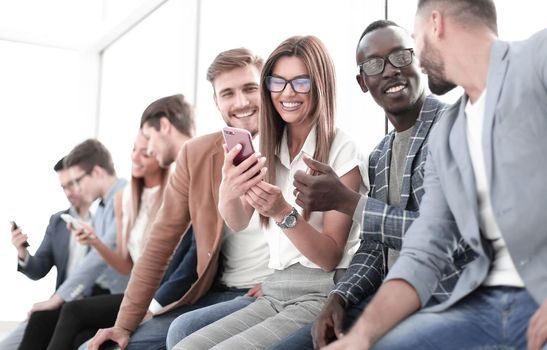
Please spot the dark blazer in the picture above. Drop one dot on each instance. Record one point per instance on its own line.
(514, 145)
(181, 272)
(53, 251)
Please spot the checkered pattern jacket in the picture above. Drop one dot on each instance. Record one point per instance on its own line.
(383, 226)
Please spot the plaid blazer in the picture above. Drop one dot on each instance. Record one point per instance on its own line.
(383, 226)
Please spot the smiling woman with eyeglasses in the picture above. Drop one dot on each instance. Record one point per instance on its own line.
(300, 85)
(307, 250)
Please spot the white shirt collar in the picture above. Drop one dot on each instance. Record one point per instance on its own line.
(308, 148)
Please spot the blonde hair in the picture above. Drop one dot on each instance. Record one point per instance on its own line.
(319, 64)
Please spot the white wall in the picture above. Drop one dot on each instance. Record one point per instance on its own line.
(41, 121)
(53, 98)
(226, 24)
(155, 59)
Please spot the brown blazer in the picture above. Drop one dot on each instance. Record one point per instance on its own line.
(191, 197)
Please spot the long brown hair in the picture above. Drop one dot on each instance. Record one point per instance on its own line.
(319, 64)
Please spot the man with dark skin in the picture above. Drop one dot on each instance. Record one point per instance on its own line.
(389, 71)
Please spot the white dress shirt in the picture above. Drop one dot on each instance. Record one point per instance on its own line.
(502, 271)
(343, 157)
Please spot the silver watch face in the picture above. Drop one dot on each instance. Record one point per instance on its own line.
(290, 221)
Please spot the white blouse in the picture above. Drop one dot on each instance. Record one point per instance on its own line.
(343, 157)
(135, 244)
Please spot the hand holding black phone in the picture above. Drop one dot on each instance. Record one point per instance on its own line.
(15, 227)
(109, 345)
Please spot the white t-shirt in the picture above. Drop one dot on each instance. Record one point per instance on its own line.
(502, 271)
(245, 253)
(245, 256)
(343, 157)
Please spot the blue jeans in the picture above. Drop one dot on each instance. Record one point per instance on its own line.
(151, 334)
(490, 318)
(302, 339)
(190, 322)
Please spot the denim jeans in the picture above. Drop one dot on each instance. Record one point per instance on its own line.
(151, 334)
(302, 339)
(490, 318)
(190, 322)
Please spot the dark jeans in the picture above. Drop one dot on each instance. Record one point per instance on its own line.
(302, 339)
(41, 326)
(84, 316)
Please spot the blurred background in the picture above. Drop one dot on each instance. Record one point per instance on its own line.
(74, 69)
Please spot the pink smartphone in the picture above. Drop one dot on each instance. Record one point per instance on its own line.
(234, 136)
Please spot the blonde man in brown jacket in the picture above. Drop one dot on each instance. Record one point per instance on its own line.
(191, 198)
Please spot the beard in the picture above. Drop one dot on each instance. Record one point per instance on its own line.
(439, 86)
(434, 68)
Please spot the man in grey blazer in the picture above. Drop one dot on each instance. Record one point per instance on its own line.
(485, 179)
(57, 248)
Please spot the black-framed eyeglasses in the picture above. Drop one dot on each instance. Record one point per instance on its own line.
(299, 85)
(376, 65)
(68, 186)
(80, 178)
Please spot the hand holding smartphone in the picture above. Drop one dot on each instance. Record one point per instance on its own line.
(235, 136)
(15, 227)
(69, 219)
(109, 345)
(83, 235)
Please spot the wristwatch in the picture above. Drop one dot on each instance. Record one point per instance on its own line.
(289, 220)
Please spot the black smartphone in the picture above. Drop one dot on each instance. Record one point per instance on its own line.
(109, 345)
(15, 227)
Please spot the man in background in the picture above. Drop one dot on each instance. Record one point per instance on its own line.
(167, 124)
(91, 169)
(58, 249)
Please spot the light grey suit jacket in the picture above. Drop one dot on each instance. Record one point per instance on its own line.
(515, 152)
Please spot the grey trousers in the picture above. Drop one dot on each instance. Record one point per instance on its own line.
(292, 298)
